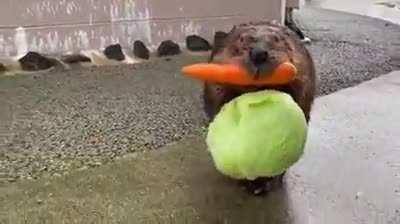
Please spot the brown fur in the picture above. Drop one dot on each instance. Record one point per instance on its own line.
(282, 45)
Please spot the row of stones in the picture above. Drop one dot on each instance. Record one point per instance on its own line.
(34, 61)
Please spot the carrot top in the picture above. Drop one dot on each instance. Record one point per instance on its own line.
(234, 74)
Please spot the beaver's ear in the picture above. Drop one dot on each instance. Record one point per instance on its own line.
(233, 29)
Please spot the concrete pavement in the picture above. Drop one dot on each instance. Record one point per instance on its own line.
(350, 174)
(385, 9)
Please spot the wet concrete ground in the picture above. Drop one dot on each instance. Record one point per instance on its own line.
(350, 173)
(54, 123)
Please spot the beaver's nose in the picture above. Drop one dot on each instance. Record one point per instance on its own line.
(258, 56)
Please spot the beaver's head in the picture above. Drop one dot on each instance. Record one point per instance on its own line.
(258, 47)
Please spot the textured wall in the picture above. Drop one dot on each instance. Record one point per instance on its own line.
(62, 26)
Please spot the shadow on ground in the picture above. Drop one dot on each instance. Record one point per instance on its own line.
(175, 185)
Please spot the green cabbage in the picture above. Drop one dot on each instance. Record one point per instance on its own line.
(259, 134)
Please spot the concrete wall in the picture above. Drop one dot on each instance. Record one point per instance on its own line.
(65, 26)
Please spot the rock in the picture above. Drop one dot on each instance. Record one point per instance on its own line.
(83, 168)
(140, 50)
(2, 68)
(168, 48)
(33, 61)
(219, 39)
(197, 43)
(12, 179)
(57, 175)
(95, 164)
(75, 58)
(114, 52)
(306, 40)
(359, 195)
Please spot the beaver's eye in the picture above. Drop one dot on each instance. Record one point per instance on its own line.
(235, 51)
(275, 38)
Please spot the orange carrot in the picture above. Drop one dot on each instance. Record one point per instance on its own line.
(234, 74)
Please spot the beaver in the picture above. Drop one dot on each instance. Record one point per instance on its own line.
(259, 47)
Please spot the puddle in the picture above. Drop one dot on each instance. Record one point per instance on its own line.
(386, 10)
